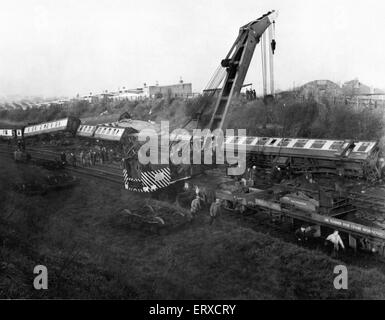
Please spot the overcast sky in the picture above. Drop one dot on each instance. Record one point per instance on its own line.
(68, 47)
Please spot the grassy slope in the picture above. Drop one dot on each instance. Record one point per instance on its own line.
(286, 117)
(92, 252)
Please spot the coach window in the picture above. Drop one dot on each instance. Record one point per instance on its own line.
(262, 141)
(300, 143)
(249, 140)
(336, 145)
(363, 147)
(284, 142)
(318, 144)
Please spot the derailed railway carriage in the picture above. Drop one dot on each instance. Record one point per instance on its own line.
(341, 157)
(7, 134)
(69, 124)
(349, 158)
(86, 131)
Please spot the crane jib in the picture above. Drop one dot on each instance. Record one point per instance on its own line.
(237, 63)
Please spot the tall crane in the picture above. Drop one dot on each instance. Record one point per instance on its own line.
(237, 63)
(232, 72)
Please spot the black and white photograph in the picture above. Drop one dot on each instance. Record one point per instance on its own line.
(192, 155)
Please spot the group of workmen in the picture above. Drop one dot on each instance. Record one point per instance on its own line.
(87, 158)
(251, 94)
(198, 202)
(333, 240)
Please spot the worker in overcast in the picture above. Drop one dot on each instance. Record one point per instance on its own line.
(336, 240)
(215, 210)
(195, 206)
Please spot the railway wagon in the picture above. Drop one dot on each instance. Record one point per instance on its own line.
(7, 134)
(111, 133)
(86, 131)
(342, 157)
(69, 124)
(300, 209)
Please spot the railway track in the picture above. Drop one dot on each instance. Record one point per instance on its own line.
(369, 202)
(90, 172)
(258, 222)
(56, 155)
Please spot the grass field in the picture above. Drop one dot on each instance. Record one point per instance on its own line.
(92, 251)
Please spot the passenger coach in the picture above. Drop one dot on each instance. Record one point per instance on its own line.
(342, 157)
(7, 134)
(69, 124)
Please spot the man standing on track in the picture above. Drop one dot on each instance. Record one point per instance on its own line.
(82, 158)
(73, 159)
(215, 209)
(63, 158)
(195, 206)
(336, 240)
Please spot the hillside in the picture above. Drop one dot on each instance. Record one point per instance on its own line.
(285, 117)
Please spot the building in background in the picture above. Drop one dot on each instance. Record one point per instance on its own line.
(129, 94)
(180, 90)
(320, 88)
(355, 88)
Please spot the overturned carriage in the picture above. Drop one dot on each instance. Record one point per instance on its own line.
(297, 156)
